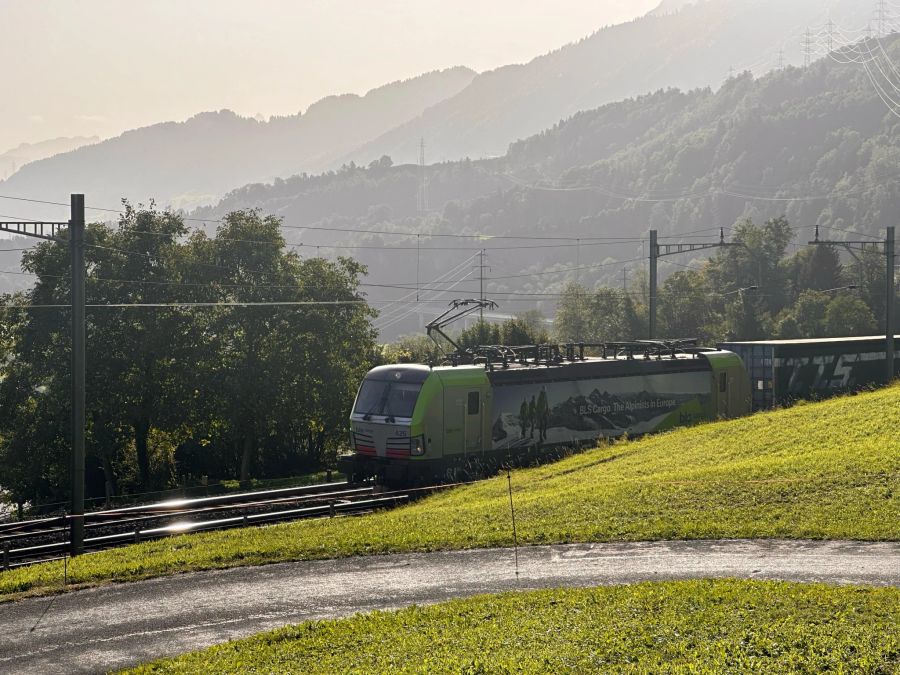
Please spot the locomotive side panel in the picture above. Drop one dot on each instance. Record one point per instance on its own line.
(428, 418)
(730, 385)
(570, 411)
(466, 411)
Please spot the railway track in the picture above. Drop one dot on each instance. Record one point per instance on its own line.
(32, 541)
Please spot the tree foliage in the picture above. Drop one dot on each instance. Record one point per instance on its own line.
(177, 392)
(602, 315)
(753, 290)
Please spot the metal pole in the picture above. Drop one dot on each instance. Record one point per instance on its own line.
(76, 247)
(512, 513)
(890, 254)
(481, 296)
(654, 256)
(578, 261)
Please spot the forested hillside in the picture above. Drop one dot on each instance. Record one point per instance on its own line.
(815, 145)
(683, 45)
(459, 113)
(195, 162)
(179, 392)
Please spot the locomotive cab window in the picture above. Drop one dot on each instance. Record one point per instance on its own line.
(723, 382)
(474, 404)
(392, 399)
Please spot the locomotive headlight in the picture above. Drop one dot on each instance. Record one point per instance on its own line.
(417, 446)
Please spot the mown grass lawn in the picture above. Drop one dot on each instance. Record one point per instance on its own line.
(829, 470)
(694, 626)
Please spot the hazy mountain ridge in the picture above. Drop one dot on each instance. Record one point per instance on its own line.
(672, 6)
(689, 48)
(14, 159)
(198, 160)
(674, 161)
(458, 112)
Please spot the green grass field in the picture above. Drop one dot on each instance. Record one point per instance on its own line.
(829, 470)
(696, 626)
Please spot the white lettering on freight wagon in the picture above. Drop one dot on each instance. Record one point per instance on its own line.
(843, 367)
(825, 360)
(627, 406)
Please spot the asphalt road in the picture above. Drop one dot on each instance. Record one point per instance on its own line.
(115, 626)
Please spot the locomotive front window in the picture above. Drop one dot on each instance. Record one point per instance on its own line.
(371, 396)
(401, 399)
(391, 399)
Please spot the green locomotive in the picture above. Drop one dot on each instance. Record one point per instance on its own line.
(416, 423)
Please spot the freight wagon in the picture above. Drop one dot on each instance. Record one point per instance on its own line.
(783, 371)
(415, 423)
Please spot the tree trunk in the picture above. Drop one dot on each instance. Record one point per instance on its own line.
(110, 479)
(246, 457)
(141, 432)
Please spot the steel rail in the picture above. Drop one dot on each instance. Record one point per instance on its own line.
(151, 515)
(175, 504)
(236, 496)
(35, 554)
(343, 502)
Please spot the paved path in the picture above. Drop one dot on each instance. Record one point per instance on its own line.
(115, 626)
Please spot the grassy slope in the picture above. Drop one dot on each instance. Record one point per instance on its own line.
(696, 626)
(828, 470)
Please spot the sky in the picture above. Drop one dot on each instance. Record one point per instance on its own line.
(100, 67)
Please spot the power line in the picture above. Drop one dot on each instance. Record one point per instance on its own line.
(608, 241)
(279, 303)
(219, 286)
(592, 241)
(533, 297)
(482, 237)
(399, 312)
(646, 198)
(566, 269)
(299, 303)
(44, 201)
(414, 307)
